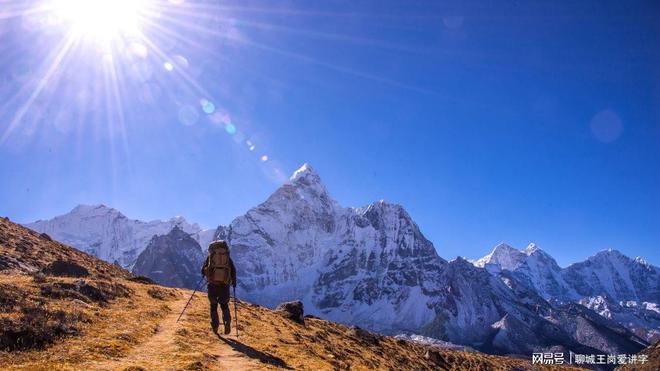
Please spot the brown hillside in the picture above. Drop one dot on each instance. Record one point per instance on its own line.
(653, 354)
(62, 309)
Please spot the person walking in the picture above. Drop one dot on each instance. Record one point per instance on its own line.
(220, 273)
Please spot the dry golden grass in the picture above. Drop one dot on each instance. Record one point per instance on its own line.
(114, 323)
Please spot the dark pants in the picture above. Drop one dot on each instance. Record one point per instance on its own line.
(219, 294)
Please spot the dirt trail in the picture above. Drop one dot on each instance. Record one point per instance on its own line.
(162, 346)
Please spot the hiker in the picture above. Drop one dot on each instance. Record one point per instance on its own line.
(220, 273)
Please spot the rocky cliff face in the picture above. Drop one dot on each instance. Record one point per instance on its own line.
(172, 260)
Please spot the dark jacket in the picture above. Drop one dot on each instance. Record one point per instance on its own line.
(232, 269)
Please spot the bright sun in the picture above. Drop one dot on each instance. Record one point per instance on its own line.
(101, 20)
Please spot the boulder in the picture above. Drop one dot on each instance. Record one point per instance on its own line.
(363, 335)
(434, 356)
(292, 310)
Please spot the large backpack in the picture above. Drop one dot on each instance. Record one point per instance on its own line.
(219, 270)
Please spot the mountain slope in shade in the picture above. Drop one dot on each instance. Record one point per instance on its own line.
(109, 235)
(172, 260)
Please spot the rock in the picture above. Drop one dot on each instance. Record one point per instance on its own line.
(364, 335)
(434, 356)
(142, 279)
(65, 268)
(172, 260)
(79, 303)
(45, 236)
(292, 310)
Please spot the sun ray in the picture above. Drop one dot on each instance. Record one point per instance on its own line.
(56, 63)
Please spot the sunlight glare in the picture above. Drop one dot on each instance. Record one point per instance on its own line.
(101, 20)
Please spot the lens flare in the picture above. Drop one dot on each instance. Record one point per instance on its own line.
(230, 129)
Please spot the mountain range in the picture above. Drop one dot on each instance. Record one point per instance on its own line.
(371, 266)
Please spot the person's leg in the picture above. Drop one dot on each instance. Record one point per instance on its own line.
(213, 301)
(226, 317)
(223, 299)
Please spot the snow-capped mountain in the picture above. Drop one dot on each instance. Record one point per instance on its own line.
(615, 275)
(172, 260)
(107, 234)
(532, 266)
(372, 267)
(369, 264)
(503, 256)
(617, 287)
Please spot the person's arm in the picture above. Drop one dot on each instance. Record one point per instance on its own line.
(233, 272)
(205, 266)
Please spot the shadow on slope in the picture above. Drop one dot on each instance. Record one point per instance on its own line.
(255, 354)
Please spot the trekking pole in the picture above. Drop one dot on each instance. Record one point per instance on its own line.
(191, 296)
(235, 312)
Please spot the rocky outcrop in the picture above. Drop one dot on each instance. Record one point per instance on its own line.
(174, 260)
(292, 310)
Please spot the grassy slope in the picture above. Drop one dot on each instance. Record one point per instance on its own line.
(108, 321)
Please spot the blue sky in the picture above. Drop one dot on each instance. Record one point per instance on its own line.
(489, 121)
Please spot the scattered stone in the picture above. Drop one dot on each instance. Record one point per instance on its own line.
(364, 335)
(8, 262)
(158, 293)
(292, 310)
(65, 268)
(435, 357)
(79, 303)
(39, 277)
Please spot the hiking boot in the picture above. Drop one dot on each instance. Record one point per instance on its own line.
(227, 328)
(214, 328)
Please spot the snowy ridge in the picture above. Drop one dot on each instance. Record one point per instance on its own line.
(109, 235)
(615, 286)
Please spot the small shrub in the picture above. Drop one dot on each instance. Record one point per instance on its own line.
(142, 279)
(9, 296)
(64, 268)
(87, 291)
(37, 327)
